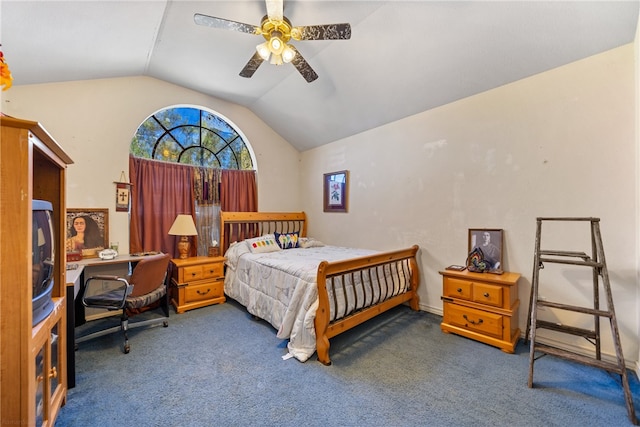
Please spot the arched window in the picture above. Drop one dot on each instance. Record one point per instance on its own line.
(204, 139)
(192, 136)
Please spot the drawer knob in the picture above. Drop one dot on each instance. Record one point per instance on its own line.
(459, 290)
(473, 322)
(203, 293)
(486, 294)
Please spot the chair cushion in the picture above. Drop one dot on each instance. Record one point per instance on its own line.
(145, 300)
(111, 299)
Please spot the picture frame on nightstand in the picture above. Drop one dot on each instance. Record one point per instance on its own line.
(485, 246)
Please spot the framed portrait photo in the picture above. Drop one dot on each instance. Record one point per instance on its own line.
(489, 242)
(87, 231)
(336, 191)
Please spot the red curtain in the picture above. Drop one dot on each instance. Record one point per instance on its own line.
(238, 192)
(160, 192)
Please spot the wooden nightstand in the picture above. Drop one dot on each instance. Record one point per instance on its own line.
(197, 282)
(482, 306)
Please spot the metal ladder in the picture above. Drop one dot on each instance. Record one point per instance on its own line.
(595, 261)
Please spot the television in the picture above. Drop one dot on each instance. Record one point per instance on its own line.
(43, 259)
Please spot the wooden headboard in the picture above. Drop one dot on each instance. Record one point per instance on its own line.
(237, 226)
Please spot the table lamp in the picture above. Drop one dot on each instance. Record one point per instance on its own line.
(184, 227)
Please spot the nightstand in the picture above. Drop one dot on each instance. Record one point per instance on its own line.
(482, 306)
(197, 282)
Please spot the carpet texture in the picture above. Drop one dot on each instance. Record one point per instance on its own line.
(215, 366)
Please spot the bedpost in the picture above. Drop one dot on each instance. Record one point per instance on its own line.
(223, 248)
(414, 303)
(322, 316)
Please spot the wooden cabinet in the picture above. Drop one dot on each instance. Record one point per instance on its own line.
(482, 306)
(33, 377)
(197, 282)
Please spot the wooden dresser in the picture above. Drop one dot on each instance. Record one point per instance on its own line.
(197, 282)
(482, 306)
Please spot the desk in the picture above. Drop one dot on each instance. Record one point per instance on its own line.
(75, 283)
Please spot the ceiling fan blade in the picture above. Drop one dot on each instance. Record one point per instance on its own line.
(303, 66)
(251, 67)
(322, 32)
(274, 9)
(225, 24)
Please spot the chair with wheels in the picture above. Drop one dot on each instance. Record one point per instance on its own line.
(144, 288)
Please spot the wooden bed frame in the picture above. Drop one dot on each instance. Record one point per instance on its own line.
(237, 226)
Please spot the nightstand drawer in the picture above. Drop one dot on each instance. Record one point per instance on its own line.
(213, 270)
(456, 288)
(204, 291)
(193, 273)
(487, 294)
(473, 320)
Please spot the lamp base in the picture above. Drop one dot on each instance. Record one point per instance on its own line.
(183, 247)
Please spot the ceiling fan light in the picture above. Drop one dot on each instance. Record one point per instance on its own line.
(288, 54)
(276, 59)
(263, 51)
(276, 45)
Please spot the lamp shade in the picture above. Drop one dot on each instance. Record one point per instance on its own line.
(183, 226)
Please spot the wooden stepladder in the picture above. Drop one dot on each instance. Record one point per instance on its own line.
(595, 261)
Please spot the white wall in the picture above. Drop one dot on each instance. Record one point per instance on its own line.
(561, 143)
(94, 121)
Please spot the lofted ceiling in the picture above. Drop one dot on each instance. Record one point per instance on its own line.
(403, 57)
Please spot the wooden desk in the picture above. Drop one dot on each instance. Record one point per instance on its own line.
(75, 310)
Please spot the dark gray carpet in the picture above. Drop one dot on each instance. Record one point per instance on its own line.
(215, 366)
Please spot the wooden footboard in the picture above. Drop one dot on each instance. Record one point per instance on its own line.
(379, 270)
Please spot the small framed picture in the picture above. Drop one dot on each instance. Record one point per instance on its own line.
(336, 191)
(489, 242)
(87, 231)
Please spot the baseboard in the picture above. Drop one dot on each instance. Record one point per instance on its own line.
(433, 310)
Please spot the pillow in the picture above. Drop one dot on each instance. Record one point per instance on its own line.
(310, 242)
(263, 244)
(287, 240)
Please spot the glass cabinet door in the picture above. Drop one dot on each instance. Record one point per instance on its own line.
(47, 379)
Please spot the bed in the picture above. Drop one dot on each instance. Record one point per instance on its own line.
(313, 292)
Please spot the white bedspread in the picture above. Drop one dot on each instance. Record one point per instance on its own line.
(280, 287)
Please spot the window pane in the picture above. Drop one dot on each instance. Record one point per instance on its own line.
(173, 117)
(212, 141)
(167, 150)
(187, 136)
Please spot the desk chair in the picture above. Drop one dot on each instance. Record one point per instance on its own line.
(146, 286)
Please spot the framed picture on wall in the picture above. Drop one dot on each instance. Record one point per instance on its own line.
(87, 231)
(335, 194)
(485, 244)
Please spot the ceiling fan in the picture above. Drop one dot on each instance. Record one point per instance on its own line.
(278, 31)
